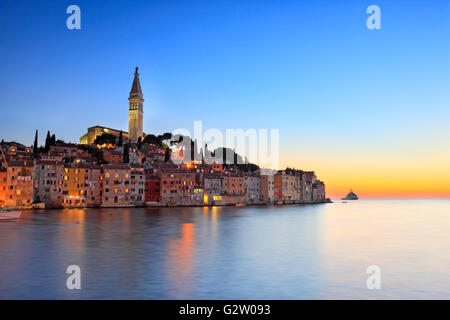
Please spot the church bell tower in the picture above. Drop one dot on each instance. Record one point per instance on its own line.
(136, 110)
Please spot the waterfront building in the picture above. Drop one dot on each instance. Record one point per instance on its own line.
(136, 110)
(137, 185)
(19, 183)
(285, 182)
(234, 187)
(267, 188)
(152, 188)
(93, 185)
(177, 187)
(318, 191)
(308, 179)
(73, 186)
(213, 189)
(48, 182)
(2, 186)
(252, 189)
(116, 185)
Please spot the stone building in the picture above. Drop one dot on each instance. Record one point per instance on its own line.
(93, 185)
(19, 183)
(178, 187)
(137, 185)
(48, 183)
(267, 188)
(252, 189)
(213, 189)
(94, 132)
(2, 186)
(73, 186)
(308, 179)
(152, 188)
(234, 187)
(116, 185)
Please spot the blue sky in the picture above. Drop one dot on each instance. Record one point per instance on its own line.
(310, 68)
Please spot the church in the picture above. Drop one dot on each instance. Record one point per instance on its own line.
(135, 118)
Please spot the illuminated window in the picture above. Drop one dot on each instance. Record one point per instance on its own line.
(126, 190)
(115, 190)
(116, 175)
(107, 175)
(217, 198)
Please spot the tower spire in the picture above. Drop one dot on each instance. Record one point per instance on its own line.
(136, 110)
(136, 87)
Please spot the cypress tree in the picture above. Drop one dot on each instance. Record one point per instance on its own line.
(53, 140)
(167, 155)
(126, 153)
(120, 139)
(35, 145)
(139, 143)
(47, 142)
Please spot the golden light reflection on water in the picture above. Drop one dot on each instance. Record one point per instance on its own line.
(181, 253)
(72, 232)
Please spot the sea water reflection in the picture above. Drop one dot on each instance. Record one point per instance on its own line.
(292, 252)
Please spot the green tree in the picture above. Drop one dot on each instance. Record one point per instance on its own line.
(105, 138)
(35, 145)
(126, 153)
(167, 155)
(120, 139)
(53, 140)
(47, 142)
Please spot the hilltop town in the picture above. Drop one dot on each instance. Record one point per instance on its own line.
(114, 168)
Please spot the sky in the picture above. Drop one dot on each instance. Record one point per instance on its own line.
(366, 109)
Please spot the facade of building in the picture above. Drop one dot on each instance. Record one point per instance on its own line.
(19, 183)
(178, 187)
(267, 188)
(94, 132)
(136, 110)
(308, 179)
(73, 186)
(93, 185)
(152, 188)
(2, 187)
(137, 185)
(213, 189)
(234, 188)
(252, 189)
(113, 156)
(48, 183)
(116, 185)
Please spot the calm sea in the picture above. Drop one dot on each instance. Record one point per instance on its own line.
(291, 252)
